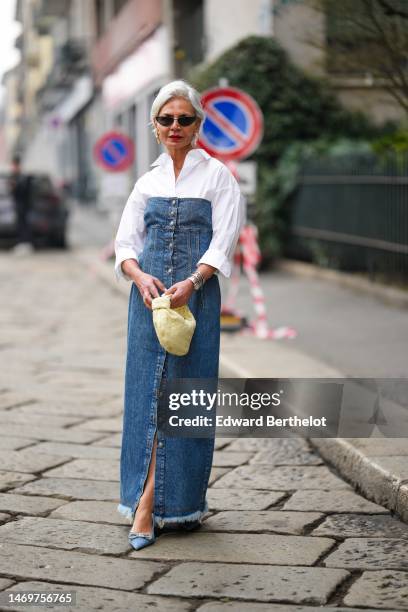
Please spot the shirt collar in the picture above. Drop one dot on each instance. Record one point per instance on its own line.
(194, 156)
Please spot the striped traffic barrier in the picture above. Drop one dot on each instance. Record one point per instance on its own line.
(248, 252)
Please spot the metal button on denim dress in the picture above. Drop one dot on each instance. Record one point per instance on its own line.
(178, 232)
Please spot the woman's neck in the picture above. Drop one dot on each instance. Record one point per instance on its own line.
(178, 156)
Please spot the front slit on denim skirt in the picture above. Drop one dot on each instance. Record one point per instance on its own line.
(178, 232)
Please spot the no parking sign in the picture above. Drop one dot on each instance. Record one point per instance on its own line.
(233, 126)
(114, 152)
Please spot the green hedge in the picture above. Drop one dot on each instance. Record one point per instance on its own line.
(396, 142)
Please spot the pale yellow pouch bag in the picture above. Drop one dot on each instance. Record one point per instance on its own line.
(174, 326)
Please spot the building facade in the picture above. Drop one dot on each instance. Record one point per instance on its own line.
(304, 31)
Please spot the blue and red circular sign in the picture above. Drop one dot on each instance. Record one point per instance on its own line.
(114, 151)
(233, 126)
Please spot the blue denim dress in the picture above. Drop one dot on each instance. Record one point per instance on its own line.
(178, 232)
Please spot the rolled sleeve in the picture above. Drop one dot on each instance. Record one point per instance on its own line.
(227, 221)
(217, 259)
(131, 232)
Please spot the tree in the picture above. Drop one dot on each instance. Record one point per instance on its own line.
(369, 37)
(391, 10)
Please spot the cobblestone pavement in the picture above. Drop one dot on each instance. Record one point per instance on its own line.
(285, 533)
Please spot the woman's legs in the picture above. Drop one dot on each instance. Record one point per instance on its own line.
(143, 517)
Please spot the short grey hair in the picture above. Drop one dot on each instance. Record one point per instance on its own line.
(177, 89)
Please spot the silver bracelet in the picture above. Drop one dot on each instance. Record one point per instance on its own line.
(197, 279)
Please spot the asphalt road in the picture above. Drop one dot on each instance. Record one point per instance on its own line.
(348, 330)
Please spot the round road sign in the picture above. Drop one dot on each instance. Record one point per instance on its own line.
(114, 152)
(233, 125)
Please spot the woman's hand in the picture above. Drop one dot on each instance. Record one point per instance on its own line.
(148, 287)
(180, 293)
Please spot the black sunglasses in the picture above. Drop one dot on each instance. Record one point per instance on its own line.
(183, 120)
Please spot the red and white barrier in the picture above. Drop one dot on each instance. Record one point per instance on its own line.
(248, 252)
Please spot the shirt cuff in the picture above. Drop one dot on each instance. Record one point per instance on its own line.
(216, 259)
(121, 255)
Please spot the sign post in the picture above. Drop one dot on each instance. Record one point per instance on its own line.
(232, 131)
(114, 152)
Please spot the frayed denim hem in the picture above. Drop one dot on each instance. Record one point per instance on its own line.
(161, 521)
(126, 511)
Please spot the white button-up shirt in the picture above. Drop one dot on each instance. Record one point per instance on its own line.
(201, 176)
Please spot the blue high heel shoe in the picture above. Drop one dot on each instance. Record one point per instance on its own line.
(139, 540)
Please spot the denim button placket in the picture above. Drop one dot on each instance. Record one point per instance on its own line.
(169, 263)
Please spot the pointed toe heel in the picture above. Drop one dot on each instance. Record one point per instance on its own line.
(138, 542)
(141, 540)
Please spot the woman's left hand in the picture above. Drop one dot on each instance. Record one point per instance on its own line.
(180, 293)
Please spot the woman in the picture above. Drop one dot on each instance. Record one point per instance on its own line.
(179, 228)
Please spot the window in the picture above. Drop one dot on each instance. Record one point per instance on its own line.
(100, 17)
(154, 147)
(188, 34)
(118, 6)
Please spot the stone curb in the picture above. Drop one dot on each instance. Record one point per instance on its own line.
(389, 295)
(376, 482)
(364, 472)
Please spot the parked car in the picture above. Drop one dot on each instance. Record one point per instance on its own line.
(47, 215)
